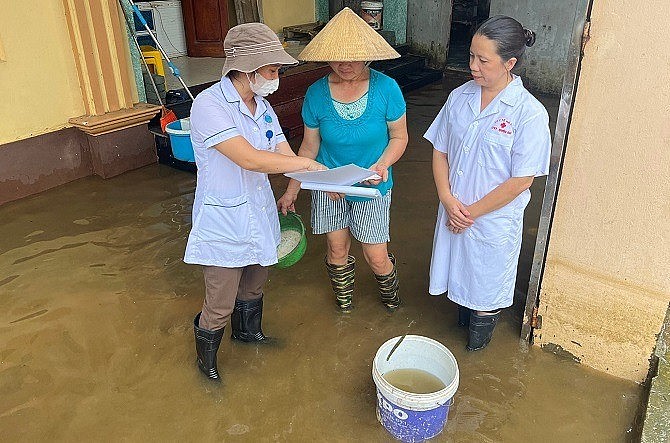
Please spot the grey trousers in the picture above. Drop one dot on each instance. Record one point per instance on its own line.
(223, 286)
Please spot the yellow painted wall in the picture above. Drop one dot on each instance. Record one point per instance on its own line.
(606, 286)
(39, 87)
(280, 13)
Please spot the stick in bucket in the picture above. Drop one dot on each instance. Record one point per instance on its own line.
(388, 357)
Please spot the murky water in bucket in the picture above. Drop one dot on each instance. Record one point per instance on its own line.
(415, 381)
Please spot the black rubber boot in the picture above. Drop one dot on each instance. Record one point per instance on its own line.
(464, 316)
(388, 287)
(246, 321)
(206, 346)
(342, 279)
(481, 330)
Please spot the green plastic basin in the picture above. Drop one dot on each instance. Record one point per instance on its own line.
(290, 224)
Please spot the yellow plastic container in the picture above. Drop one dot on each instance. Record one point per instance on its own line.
(153, 58)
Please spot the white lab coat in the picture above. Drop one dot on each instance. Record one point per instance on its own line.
(510, 138)
(235, 220)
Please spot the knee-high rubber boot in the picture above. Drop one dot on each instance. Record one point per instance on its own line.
(388, 287)
(481, 330)
(246, 321)
(342, 279)
(464, 316)
(206, 346)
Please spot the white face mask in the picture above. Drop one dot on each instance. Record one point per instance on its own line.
(262, 86)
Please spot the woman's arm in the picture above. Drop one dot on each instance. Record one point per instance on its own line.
(309, 148)
(500, 196)
(459, 216)
(285, 149)
(246, 156)
(394, 150)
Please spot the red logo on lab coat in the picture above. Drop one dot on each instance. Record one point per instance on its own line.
(503, 126)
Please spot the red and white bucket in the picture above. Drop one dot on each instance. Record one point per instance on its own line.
(372, 13)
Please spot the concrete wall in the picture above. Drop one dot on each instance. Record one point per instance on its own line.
(395, 19)
(322, 12)
(428, 25)
(38, 77)
(552, 21)
(280, 13)
(606, 285)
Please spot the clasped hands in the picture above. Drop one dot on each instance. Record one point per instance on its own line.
(459, 217)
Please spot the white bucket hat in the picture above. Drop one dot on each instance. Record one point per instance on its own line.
(252, 45)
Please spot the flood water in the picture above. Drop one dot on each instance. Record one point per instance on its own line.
(96, 337)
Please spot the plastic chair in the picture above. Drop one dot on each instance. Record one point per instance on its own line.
(153, 58)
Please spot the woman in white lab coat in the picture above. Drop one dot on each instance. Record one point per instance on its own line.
(237, 141)
(490, 140)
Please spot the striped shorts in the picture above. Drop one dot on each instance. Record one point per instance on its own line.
(368, 221)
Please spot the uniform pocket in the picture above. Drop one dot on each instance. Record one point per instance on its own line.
(496, 151)
(225, 219)
(492, 241)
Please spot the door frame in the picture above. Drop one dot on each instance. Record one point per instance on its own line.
(580, 29)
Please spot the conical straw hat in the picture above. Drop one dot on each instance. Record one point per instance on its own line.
(347, 38)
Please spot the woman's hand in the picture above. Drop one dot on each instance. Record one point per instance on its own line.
(312, 165)
(287, 202)
(382, 170)
(334, 196)
(451, 227)
(458, 216)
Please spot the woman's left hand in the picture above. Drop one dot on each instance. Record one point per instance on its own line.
(382, 170)
(335, 196)
(471, 214)
(455, 229)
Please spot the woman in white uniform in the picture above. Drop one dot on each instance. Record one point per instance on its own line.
(490, 140)
(237, 141)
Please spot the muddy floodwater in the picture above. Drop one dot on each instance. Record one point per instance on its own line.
(96, 330)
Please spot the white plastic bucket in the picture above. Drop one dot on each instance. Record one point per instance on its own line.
(372, 13)
(411, 417)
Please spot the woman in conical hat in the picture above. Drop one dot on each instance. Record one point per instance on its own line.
(353, 115)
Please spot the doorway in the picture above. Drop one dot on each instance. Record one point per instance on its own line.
(466, 16)
(579, 30)
(206, 25)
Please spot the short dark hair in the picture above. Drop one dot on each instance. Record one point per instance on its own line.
(509, 36)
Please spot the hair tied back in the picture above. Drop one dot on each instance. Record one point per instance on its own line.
(530, 37)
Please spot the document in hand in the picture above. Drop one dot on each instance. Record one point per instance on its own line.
(338, 180)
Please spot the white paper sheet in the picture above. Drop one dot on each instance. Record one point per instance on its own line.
(357, 191)
(343, 176)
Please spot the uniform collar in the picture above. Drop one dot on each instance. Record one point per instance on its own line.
(232, 96)
(510, 96)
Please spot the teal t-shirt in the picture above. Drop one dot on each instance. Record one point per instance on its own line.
(360, 141)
